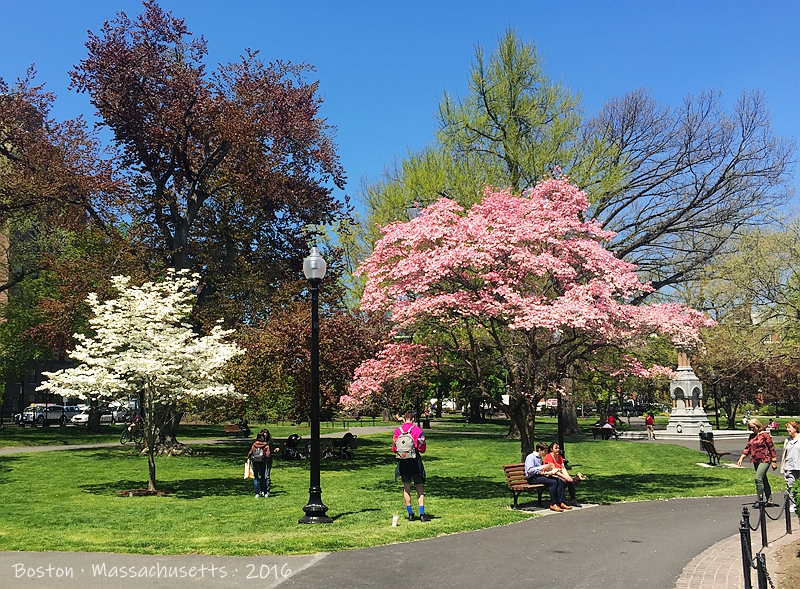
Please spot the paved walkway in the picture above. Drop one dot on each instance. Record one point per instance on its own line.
(680, 543)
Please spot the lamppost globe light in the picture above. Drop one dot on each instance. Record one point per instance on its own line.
(314, 266)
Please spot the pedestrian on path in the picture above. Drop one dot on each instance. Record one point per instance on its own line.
(790, 463)
(539, 473)
(761, 451)
(650, 422)
(408, 444)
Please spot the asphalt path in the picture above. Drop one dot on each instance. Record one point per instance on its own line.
(642, 544)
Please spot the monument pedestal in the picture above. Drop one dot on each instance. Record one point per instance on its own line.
(688, 422)
(688, 418)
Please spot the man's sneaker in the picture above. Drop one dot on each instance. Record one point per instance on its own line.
(256, 495)
(411, 517)
(425, 517)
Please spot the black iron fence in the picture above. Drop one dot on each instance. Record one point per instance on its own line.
(759, 562)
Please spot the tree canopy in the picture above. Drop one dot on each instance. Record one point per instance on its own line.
(674, 184)
(523, 281)
(228, 170)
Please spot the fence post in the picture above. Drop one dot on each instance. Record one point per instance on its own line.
(786, 511)
(761, 571)
(762, 521)
(744, 536)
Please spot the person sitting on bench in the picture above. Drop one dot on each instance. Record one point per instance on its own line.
(556, 460)
(536, 471)
(607, 425)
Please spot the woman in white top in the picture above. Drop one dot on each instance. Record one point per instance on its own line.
(790, 464)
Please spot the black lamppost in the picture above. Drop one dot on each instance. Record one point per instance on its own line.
(714, 389)
(314, 268)
(555, 339)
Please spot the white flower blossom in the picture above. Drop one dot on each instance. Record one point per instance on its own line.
(141, 339)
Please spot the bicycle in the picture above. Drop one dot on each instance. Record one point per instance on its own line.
(133, 432)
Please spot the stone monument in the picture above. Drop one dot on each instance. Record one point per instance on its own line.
(687, 418)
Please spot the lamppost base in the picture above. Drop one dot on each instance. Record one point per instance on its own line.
(315, 509)
(315, 514)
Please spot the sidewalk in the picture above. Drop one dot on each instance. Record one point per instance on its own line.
(24, 449)
(721, 565)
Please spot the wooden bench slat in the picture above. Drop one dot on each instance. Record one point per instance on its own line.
(518, 482)
(231, 428)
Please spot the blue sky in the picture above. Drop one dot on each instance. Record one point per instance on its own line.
(383, 66)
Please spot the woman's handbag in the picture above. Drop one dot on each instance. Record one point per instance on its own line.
(248, 469)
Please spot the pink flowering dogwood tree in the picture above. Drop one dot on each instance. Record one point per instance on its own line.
(523, 281)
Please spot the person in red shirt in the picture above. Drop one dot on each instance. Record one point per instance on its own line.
(650, 423)
(555, 458)
(761, 451)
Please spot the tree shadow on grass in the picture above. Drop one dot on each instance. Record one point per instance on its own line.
(476, 487)
(184, 489)
(7, 464)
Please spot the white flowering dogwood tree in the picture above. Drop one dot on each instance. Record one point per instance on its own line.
(140, 343)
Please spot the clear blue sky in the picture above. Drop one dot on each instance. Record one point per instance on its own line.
(383, 65)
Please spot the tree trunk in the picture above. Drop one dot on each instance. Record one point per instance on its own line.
(151, 468)
(93, 422)
(569, 416)
(475, 410)
(522, 412)
(168, 431)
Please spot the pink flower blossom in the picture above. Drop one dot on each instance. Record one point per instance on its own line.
(529, 262)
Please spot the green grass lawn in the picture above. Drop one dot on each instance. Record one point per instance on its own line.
(68, 501)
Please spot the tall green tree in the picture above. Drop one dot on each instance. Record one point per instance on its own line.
(752, 293)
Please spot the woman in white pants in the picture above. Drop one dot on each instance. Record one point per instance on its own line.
(790, 464)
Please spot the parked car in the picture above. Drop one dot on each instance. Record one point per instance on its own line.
(41, 413)
(71, 411)
(119, 413)
(106, 417)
